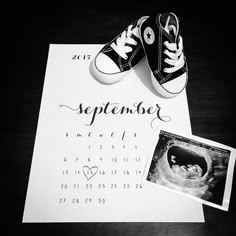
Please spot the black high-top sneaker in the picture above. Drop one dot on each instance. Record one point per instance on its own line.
(117, 57)
(163, 46)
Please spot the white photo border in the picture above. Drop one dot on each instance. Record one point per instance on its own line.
(216, 145)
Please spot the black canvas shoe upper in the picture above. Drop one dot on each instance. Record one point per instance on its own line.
(133, 57)
(154, 37)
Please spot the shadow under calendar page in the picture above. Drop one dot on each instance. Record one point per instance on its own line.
(93, 142)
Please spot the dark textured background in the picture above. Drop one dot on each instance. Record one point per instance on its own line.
(27, 32)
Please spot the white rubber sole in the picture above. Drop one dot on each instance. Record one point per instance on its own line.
(104, 77)
(162, 91)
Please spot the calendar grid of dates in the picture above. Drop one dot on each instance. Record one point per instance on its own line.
(107, 163)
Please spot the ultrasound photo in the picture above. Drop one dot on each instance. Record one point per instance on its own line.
(190, 167)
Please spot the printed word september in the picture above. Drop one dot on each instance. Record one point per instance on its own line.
(115, 108)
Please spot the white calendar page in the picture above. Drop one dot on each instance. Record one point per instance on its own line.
(93, 142)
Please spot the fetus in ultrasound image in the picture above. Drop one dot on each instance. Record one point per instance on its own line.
(190, 167)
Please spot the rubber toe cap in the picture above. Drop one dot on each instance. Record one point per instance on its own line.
(176, 85)
(105, 64)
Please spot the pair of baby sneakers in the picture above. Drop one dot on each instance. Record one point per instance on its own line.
(158, 37)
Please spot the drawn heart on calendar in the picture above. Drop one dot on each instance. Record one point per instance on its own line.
(89, 172)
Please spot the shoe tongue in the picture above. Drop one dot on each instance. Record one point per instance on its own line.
(169, 23)
(135, 31)
(137, 24)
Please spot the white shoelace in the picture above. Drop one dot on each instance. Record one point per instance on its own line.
(121, 46)
(175, 56)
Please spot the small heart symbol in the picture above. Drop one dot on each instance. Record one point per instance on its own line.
(89, 172)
